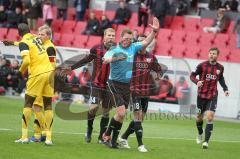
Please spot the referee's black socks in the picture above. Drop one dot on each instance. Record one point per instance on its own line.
(138, 131)
(200, 127)
(129, 130)
(208, 131)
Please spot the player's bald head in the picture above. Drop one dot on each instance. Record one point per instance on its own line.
(23, 29)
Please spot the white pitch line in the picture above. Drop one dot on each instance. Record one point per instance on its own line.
(146, 137)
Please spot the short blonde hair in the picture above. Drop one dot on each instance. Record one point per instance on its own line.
(47, 28)
(126, 31)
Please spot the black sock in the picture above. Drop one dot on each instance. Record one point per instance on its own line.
(208, 131)
(103, 126)
(199, 127)
(138, 131)
(129, 130)
(116, 131)
(90, 123)
(110, 127)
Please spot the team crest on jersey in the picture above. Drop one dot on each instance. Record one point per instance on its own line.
(218, 72)
(148, 60)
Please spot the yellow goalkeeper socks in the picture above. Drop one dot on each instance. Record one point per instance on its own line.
(49, 122)
(39, 124)
(27, 112)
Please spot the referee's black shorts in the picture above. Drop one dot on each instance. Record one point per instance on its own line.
(120, 92)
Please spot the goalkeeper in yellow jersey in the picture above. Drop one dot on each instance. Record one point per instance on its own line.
(40, 81)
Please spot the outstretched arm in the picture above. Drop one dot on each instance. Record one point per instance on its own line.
(151, 36)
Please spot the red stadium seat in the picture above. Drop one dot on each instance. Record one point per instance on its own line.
(56, 25)
(71, 13)
(110, 14)
(235, 56)
(232, 43)
(178, 51)
(205, 23)
(40, 22)
(206, 39)
(192, 52)
(192, 38)
(66, 40)
(204, 53)
(164, 35)
(230, 27)
(80, 41)
(224, 54)
(54, 8)
(13, 35)
(94, 40)
(221, 40)
(3, 33)
(56, 38)
(133, 22)
(163, 49)
(79, 28)
(177, 23)
(178, 37)
(168, 20)
(98, 14)
(191, 24)
(68, 26)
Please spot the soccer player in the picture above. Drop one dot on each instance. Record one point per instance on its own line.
(36, 61)
(43, 123)
(141, 87)
(121, 63)
(99, 93)
(209, 72)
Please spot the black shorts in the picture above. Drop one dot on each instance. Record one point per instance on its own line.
(121, 92)
(101, 95)
(140, 103)
(206, 104)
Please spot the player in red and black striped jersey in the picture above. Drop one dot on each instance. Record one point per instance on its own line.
(210, 73)
(99, 80)
(141, 86)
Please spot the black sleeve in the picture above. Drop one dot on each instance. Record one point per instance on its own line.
(51, 51)
(156, 66)
(23, 46)
(195, 73)
(222, 81)
(86, 59)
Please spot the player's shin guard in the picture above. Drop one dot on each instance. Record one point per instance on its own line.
(39, 124)
(49, 122)
(129, 130)
(103, 126)
(200, 127)
(208, 131)
(138, 131)
(27, 112)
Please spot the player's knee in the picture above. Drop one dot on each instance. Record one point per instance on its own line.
(121, 111)
(47, 101)
(29, 101)
(37, 108)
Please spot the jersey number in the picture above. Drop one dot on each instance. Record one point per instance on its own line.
(39, 44)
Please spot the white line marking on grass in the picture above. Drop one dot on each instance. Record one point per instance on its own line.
(3, 129)
(146, 137)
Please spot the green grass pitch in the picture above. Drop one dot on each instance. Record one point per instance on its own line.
(165, 139)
